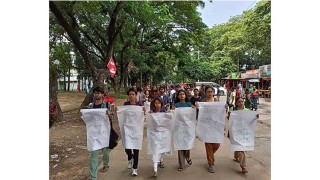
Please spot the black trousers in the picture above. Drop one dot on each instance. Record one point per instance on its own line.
(135, 154)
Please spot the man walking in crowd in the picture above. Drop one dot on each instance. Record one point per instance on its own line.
(98, 94)
(164, 98)
(202, 91)
(240, 87)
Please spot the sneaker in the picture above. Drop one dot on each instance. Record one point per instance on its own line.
(135, 172)
(212, 169)
(130, 163)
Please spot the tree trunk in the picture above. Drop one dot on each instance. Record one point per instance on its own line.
(72, 32)
(64, 81)
(69, 79)
(97, 81)
(82, 78)
(53, 96)
(125, 81)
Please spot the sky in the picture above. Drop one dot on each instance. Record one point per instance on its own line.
(218, 12)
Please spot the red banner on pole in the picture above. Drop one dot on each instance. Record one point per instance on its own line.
(112, 67)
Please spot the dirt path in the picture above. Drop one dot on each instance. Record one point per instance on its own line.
(68, 154)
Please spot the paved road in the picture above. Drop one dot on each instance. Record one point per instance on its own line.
(258, 161)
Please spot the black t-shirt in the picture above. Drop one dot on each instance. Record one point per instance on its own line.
(202, 94)
(194, 100)
(96, 106)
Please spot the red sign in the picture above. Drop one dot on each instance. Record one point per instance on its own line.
(112, 67)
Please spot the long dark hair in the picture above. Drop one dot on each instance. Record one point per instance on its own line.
(209, 87)
(160, 100)
(177, 98)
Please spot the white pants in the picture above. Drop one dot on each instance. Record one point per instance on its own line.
(157, 158)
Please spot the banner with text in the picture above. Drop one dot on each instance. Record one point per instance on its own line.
(184, 132)
(242, 129)
(131, 126)
(98, 128)
(159, 132)
(211, 121)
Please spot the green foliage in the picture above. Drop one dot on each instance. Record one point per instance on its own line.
(153, 37)
(243, 40)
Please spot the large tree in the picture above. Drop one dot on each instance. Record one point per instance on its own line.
(85, 35)
(147, 39)
(242, 43)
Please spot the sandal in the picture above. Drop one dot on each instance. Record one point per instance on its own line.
(189, 161)
(155, 174)
(244, 171)
(161, 165)
(180, 168)
(104, 169)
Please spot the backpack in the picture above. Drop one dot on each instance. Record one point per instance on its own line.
(114, 137)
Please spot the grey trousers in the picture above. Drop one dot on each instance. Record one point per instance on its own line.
(182, 156)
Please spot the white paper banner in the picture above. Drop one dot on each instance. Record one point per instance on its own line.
(147, 105)
(159, 132)
(98, 128)
(131, 126)
(185, 128)
(242, 128)
(211, 121)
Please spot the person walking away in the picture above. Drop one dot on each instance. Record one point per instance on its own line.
(94, 155)
(255, 97)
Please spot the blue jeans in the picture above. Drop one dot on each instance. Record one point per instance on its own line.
(94, 160)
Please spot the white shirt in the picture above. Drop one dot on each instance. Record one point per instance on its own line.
(172, 92)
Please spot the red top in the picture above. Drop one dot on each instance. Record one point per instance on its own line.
(238, 94)
(109, 99)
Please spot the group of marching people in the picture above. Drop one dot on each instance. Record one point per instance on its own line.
(250, 96)
(161, 101)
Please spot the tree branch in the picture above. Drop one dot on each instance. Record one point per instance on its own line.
(74, 37)
(95, 45)
(100, 57)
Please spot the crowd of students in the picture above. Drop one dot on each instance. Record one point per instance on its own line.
(250, 97)
(164, 99)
